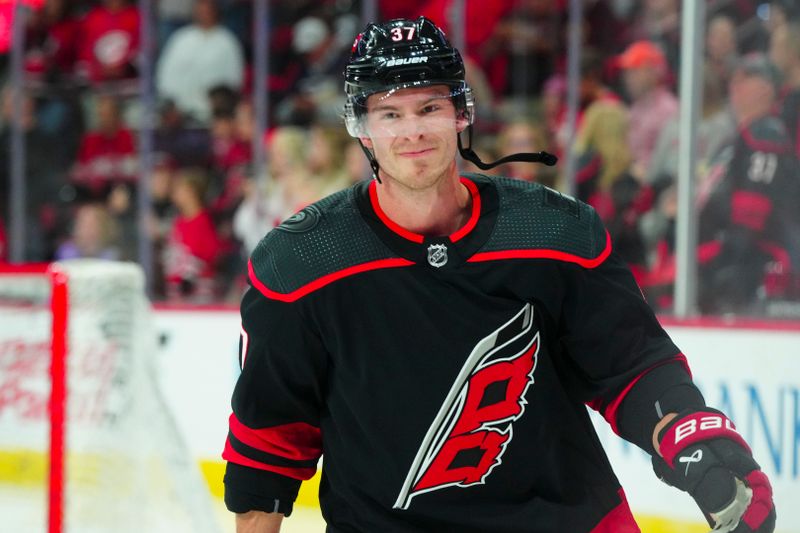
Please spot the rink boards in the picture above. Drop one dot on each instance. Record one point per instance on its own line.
(750, 370)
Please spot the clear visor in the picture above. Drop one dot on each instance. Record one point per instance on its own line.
(404, 111)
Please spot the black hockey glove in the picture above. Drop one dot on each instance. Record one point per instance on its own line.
(705, 456)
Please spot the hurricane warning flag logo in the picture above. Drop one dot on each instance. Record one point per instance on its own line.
(472, 429)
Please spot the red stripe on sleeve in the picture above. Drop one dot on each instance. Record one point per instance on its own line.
(298, 441)
(619, 520)
(233, 456)
(610, 412)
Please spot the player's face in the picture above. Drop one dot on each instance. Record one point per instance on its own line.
(413, 134)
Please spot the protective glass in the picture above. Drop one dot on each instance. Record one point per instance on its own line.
(410, 110)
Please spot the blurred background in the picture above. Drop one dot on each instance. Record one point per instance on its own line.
(176, 133)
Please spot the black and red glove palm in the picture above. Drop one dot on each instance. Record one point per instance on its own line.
(705, 456)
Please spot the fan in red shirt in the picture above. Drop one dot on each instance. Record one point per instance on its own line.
(193, 247)
(107, 155)
(109, 41)
(51, 42)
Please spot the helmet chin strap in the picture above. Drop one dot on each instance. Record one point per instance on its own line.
(373, 163)
(469, 154)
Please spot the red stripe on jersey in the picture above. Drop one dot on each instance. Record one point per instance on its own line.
(231, 455)
(764, 145)
(619, 520)
(750, 209)
(708, 251)
(298, 441)
(610, 412)
(388, 222)
(324, 280)
(476, 211)
(545, 254)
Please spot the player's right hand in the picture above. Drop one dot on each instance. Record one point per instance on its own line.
(703, 455)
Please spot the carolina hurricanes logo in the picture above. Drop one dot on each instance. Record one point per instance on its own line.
(469, 435)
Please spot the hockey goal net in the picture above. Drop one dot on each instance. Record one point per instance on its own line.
(86, 440)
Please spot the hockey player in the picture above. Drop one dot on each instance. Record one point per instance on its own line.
(437, 336)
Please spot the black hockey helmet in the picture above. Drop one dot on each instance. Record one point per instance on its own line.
(399, 54)
(405, 53)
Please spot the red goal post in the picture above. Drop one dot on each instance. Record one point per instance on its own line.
(87, 439)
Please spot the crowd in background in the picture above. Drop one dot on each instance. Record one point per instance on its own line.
(80, 114)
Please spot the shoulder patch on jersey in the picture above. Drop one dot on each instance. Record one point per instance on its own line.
(324, 242)
(537, 222)
(304, 220)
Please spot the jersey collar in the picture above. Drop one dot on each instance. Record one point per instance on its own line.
(440, 252)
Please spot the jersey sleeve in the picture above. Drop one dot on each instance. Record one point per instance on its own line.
(611, 337)
(274, 439)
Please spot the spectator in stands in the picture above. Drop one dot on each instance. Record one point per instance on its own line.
(525, 136)
(223, 99)
(172, 15)
(197, 58)
(604, 180)
(231, 140)
(485, 43)
(784, 52)
(287, 189)
(44, 164)
(95, 234)
(591, 91)
(716, 127)
(192, 248)
(781, 12)
(325, 161)
(159, 220)
(108, 42)
(658, 21)
(721, 50)
(748, 204)
(107, 156)
(188, 144)
(316, 92)
(652, 103)
(51, 42)
(531, 34)
(229, 149)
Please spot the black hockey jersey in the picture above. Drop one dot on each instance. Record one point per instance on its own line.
(444, 379)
